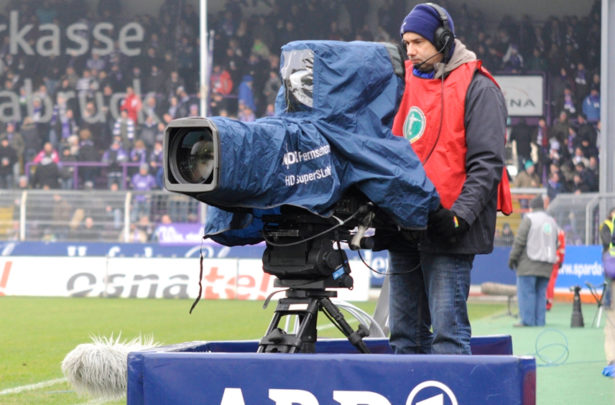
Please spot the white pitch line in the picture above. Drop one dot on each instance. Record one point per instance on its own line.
(96, 402)
(30, 387)
(331, 326)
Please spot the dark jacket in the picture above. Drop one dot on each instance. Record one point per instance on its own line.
(485, 122)
(8, 158)
(605, 235)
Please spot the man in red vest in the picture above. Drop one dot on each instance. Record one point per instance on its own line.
(454, 115)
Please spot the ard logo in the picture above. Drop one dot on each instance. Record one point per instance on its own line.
(415, 123)
(426, 393)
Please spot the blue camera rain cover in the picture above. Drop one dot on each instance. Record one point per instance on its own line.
(331, 132)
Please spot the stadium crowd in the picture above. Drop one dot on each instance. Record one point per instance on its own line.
(87, 140)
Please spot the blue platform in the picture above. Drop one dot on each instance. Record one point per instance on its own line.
(232, 373)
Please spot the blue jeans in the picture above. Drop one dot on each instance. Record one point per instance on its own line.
(532, 297)
(429, 291)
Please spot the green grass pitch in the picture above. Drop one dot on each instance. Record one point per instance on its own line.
(37, 333)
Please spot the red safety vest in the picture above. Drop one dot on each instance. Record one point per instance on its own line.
(442, 150)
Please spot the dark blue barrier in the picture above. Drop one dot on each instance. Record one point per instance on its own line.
(496, 344)
(230, 373)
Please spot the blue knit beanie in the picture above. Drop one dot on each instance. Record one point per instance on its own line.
(425, 20)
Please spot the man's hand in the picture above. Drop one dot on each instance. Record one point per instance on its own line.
(512, 264)
(444, 225)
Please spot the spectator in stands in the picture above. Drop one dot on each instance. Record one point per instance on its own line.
(48, 153)
(512, 61)
(132, 104)
(63, 125)
(117, 80)
(536, 62)
(156, 161)
(142, 181)
(184, 103)
(148, 131)
(68, 156)
(586, 133)
(83, 84)
(592, 172)
(173, 108)
(113, 212)
(138, 154)
(588, 180)
(591, 106)
(567, 102)
(115, 156)
(46, 173)
(17, 142)
(561, 128)
(95, 62)
(124, 127)
(506, 236)
(62, 212)
(154, 82)
(521, 134)
(221, 81)
(578, 186)
(246, 114)
(87, 231)
(581, 83)
(532, 257)
(559, 83)
(173, 84)
(271, 88)
(151, 108)
(554, 185)
(94, 120)
(88, 154)
(246, 94)
(141, 231)
(71, 77)
(8, 160)
(527, 178)
(541, 137)
(579, 157)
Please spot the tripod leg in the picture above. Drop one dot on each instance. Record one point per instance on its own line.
(599, 317)
(355, 337)
(277, 340)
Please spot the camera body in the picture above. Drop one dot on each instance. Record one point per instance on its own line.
(330, 134)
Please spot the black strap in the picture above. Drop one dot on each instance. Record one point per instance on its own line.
(196, 301)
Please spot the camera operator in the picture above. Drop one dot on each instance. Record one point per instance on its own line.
(454, 115)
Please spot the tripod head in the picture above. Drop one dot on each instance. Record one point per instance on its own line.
(304, 250)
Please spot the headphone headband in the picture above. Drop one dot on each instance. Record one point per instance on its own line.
(442, 14)
(443, 37)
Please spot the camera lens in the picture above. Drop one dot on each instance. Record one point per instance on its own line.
(193, 149)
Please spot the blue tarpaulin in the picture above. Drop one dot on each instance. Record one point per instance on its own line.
(331, 132)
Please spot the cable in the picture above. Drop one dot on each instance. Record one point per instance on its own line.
(441, 120)
(541, 349)
(309, 238)
(387, 273)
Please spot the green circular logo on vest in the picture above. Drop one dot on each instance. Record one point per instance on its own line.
(415, 123)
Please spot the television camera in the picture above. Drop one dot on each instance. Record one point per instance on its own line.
(316, 174)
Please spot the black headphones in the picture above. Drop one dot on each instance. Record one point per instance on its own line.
(443, 37)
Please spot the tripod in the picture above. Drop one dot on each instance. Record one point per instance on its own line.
(305, 304)
(600, 298)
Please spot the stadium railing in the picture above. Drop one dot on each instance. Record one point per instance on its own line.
(62, 215)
